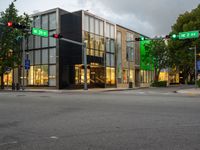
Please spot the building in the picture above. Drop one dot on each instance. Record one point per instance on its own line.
(113, 58)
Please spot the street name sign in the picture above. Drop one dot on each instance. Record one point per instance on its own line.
(40, 32)
(189, 35)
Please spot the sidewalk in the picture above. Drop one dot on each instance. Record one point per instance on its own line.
(193, 91)
(93, 90)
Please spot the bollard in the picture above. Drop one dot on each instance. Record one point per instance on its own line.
(13, 86)
(17, 86)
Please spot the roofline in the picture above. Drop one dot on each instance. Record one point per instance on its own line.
(47, 11)
(132, 30)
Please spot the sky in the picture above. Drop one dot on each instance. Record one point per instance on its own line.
(148, 17)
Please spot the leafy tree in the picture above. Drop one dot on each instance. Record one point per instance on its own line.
(158, 50)
(180, 55)
(10, 48)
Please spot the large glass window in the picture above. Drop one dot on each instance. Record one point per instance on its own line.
(52, 56)
(30, 55)
(112, 31)
(40, 75)
(30, 42)
(45, 56)
(52, 75)
(30, 76)
(101, 28)
(37, 22)
(45, 22)
(96, 26)
(92, 24)
(52, 41)
(52, 21)
(37, 57)
(107, 59)
(112, 58)
(86, 23)
(44, 42)
(37, 42)
(112, 46)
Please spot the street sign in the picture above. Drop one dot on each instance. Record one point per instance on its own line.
(27, 64)
(189, 35)
(40, 32)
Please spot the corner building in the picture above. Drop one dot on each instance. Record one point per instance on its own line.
(113, 59)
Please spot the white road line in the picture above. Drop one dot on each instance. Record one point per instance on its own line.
(14, 142)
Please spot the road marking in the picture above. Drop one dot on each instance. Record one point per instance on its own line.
(14, 142)
(53, 137)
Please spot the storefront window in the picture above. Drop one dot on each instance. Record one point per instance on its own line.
(112, 76)
(7, 78)
(30, 76)
(108, 75)
(52, 75)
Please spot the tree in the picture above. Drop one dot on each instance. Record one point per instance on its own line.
(10, 48)
(158, 51)
(180, 55)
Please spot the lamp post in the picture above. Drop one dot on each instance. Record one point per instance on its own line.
(195, 60)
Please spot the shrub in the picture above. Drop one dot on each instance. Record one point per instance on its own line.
(159, 84)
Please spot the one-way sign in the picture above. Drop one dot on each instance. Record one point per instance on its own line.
(27, 64)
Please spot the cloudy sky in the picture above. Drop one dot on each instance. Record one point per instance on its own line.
(149, 17)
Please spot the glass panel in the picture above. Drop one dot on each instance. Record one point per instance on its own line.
(44, 42)
(107, 30)
(107, 59)
(97, 42)
(108, 45)
(30, 42)
(112, 32)
(97, 53)
(52, 41)
(91, 41)
(92, 24)
(52, 75)
(30, 56)
(44, 75)
(101, 28)
(52, 56)
(86, 23)
(37, 75)
(45, 56)
(102, 44)
(37, 22)
(112, 46)
(7, 78)
(101, 54)
(30, 76)
(112, 60)
(37, 57)
(112, 75)
(108, 75)
(52, 21)
(96, 26)
(45, 22)
(87, 39)
(37, 42)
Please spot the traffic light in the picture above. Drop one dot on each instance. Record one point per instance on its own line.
(141, 38)
(57, 36)
(174, 36)
(15, 25)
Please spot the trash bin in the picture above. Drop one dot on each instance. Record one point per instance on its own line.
(130, 84)
(17, 86)
(13, 86)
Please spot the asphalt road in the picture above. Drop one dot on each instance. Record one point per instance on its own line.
(148, 119)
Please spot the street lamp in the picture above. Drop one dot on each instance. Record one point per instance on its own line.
(195, 60)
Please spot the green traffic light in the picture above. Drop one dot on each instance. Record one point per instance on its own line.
(174, 36)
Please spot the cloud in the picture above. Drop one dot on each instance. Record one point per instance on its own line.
(152, 17)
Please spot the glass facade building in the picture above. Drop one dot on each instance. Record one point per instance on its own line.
(113, 59)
